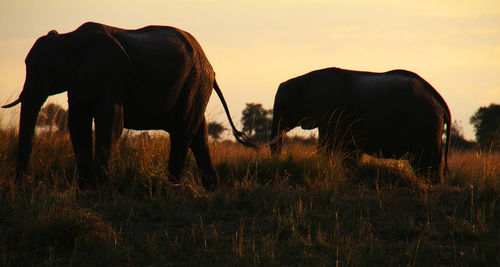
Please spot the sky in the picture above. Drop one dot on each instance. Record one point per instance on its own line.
(255, 45)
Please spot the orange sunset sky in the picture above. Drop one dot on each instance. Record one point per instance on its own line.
(255, 45)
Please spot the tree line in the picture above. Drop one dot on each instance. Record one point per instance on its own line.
(257, 120)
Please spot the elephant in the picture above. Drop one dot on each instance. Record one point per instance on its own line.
(152, 78)
(391, 114)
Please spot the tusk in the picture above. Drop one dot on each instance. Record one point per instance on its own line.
(12, 104)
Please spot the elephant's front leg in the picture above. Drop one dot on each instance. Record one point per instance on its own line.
(80, 129)
(201, 151)
(108, 129)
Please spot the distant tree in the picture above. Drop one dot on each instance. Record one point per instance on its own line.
(53, 115)
(456, 130)
(215, 129)
(486, 122)
(457, 137)
(257, 121)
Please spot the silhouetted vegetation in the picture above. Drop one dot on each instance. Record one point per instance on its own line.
(458, 140)
(53, 115)
(257, 122)
(486, 123)
(215, 129)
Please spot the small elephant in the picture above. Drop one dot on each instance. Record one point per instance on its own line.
(156, 77)
(389, 114)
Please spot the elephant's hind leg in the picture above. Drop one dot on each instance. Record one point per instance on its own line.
(201, 152)
(429, 164)
(179, 145)
(80, 129)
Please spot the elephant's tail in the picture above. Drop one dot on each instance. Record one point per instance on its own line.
(447, 121)
(240, 136)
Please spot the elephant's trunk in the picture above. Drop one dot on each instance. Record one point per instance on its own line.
(276, 143)
(277, 135)
(27, 122)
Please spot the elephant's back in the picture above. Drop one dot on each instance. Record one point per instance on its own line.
(170, 70)
(394, 87)
(165, 45)
(393, 98)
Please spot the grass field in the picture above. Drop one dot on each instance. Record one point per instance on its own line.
(297, 209)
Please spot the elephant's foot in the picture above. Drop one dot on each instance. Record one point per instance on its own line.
(84, 183)
(209, 181)
(174, 179)
(90, 182)
(23, 177)
(436, 178)
(209, 184)
(431, 175)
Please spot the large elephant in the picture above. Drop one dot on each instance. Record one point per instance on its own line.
(156, 77)
(389, 114)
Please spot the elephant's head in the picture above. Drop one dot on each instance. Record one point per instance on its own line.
(57, 63)
(289, 111)
(41, 67)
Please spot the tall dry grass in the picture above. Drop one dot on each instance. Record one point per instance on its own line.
(301, 208)
(477, 168)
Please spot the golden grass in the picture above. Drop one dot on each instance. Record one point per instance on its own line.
(475, 168)
(301, 208)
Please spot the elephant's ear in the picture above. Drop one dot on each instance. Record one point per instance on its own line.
(101, 64)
